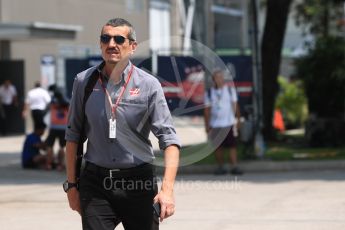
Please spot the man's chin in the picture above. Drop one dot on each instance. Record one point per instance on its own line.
(117, 60)
(113, 61)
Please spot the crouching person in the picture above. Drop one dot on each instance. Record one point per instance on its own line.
(32, 158)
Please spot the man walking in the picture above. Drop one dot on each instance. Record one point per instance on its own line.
(9, 102)
(37, 101)
(118, 183)
(221, 109)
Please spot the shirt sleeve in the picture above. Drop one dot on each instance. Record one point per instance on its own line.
(160, 117)
(233, 94)
(74, 120)
(47, 97)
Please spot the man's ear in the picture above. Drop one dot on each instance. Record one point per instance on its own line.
(134, 46)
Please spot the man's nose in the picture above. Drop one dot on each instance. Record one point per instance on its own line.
(112, 42)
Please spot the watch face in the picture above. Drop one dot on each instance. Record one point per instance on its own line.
(65, 186)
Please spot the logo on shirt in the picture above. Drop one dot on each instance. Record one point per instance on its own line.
(134, 92)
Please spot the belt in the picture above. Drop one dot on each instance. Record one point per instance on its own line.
(145, 169)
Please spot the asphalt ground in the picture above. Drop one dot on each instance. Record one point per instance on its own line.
(268, 196)
(302, 200)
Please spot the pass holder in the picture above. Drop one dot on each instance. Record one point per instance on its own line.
(112, 120)
(112, 128)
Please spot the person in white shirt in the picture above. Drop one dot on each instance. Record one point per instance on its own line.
(8, 93)
(37, 101)
(221, 110)
(8, 101)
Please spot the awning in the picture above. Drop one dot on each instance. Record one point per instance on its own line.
(37, 30)
(227, 11)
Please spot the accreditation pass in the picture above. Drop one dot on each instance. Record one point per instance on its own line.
(112, 128)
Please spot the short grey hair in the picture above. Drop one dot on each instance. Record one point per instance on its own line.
(115, 22)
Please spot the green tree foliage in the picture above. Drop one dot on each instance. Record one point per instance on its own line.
(320, 17)
(292, 102)
(323, 74)
(323, 69)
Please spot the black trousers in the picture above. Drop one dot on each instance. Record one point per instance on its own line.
(37, 116)
(8, 114)
(127, 197)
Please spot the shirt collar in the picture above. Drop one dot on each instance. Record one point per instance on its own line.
(99, 70)
(127, 70)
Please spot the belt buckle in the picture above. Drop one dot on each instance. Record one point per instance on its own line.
(111, 172)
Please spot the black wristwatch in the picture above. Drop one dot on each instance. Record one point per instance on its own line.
(67, 185)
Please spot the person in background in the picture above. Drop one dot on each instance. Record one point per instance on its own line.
(221, 110)
(31, 156)
(58, 122)
(37, 100)
(9, 102)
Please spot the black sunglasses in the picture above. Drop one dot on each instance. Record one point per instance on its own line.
(105, 38)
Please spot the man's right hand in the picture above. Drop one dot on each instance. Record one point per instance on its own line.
(73, 199)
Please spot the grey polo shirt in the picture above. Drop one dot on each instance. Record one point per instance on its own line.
(142, 109)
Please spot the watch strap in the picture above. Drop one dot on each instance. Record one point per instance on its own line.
(68, 185)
